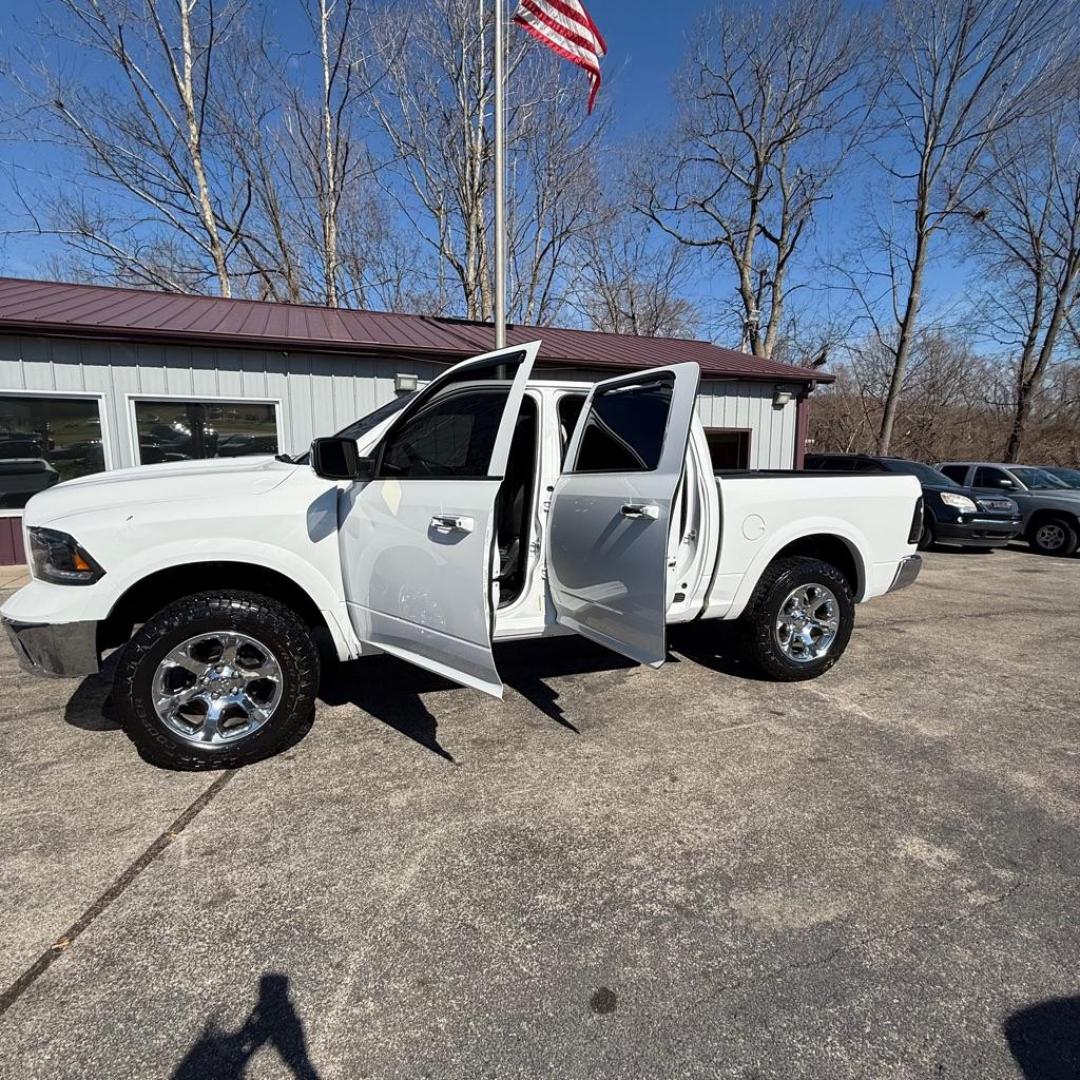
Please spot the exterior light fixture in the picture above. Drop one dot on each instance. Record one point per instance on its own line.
(404, 383)
(781, 398)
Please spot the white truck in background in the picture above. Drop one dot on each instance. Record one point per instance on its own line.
(486, 507)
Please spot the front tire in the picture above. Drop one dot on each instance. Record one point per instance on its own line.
(926, 537)
(1054, 536)
(799, 619)
(217, 680)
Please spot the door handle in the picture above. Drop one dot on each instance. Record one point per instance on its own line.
(452, 523)
(641, 510)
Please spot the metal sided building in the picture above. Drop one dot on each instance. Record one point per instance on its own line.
(96, 378)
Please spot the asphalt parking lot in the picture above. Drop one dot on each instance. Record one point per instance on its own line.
(616, 872)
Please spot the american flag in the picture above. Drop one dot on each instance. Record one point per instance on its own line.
(564, 27)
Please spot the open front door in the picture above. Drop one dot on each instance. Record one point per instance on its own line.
(611, 510)
(417, 541)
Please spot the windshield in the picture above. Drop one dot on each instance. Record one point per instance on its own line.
(366, 423)
(361, 426)
(1038, 479)
(926, 474)
(1070, 477)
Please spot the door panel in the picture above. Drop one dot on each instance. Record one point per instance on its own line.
(611, 510)
(417, 541)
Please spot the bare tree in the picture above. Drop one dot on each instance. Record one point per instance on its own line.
(142, 131)
(631, 282)
(432, 97)
(1027, 223)
(957, 76)
(771, 105)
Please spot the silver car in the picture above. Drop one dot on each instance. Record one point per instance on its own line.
(1050, 507)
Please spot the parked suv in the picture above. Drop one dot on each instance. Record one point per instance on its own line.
(1070, 477)
(952, 514)
(1050, 507)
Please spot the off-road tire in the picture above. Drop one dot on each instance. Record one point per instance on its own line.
(267, 620)
(1058, 526)
(776, 584)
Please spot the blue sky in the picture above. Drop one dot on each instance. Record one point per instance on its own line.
(644, 53)
(646, 44)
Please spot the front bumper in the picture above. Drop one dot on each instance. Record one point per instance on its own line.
(66, 650)
(979, 532)
(906, 572)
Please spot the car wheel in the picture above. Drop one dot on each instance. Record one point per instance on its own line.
(800, 618)
(926, 537)
(1054, 536)
(217, 680)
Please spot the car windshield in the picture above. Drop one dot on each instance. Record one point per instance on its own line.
(364, 424)
(926, 474)
(1038, 479)
(1070, 477)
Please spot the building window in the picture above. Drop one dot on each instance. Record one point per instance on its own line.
(44, 440)
(188, 430)
(728, 448)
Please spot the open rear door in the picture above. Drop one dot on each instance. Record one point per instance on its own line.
(417, 541)
(611, 510)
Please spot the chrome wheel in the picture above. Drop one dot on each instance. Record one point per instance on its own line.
(807, 623)
(1050, 536)
(217, 687)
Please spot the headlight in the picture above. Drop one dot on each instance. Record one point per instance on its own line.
(56, 557)
(958, 502)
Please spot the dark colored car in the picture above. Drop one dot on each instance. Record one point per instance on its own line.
(952, 514)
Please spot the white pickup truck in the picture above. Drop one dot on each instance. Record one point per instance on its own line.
(488, 506)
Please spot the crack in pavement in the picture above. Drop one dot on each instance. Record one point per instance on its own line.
(111, 894)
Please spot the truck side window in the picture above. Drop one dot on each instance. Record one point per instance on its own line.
(452, 435)
(569, 409)
(624, 431)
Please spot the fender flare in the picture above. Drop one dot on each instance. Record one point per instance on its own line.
(804, 529)
(307, 577)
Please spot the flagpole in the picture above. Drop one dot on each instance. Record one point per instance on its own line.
(500, 184)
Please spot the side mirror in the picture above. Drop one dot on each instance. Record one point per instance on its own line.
(338, 459)
(1006, 483)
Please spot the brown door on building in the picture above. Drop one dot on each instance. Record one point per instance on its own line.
(729, 448)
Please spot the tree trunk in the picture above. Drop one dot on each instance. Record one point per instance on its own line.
(904, 342)
(330, 190)
(1063, 300)
(194, 145)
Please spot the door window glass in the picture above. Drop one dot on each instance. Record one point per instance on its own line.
(624, 431)
(453, 435)
(452, 426)
(569, 409)
(955, 472)
(990, 478)
(45, 440)
(189, 430)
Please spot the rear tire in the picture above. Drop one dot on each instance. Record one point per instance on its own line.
(1054, 536)
(217, 680)
(799, 619)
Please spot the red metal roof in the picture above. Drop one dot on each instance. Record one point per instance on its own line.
(57, 308)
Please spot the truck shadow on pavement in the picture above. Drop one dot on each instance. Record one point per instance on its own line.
(391, 690)
(273, 1022)
(90, 708)
(1045, 1039)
